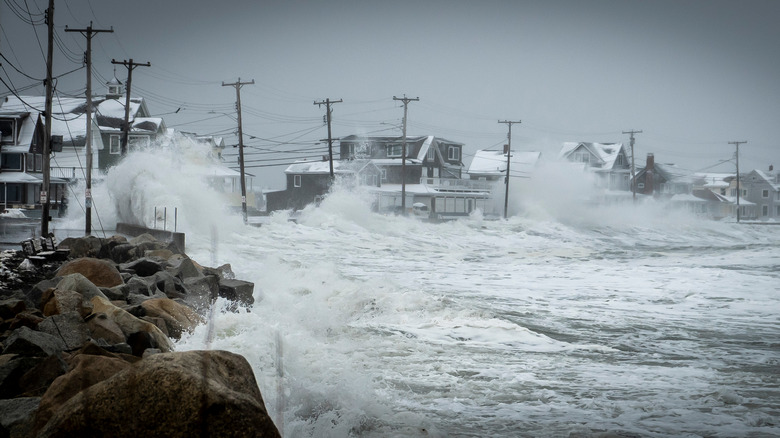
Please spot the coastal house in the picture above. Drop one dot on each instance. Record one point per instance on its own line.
(663, 180)
(607, 161)
(426, 156)
(110, 116)
(22, 128)
(490, 165)
(762, 189)
(309, 181)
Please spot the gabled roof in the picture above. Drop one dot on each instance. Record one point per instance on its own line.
(605, 153)
(493, 163)
(768, 179)
(671, 173)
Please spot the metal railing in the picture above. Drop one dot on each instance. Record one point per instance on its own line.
(165, 218)
(456, 184)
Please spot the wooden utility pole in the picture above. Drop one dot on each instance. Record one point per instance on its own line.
(406, 101)
(238, 84)
(126, 128)
(508, 156)
(737, 143)
(633, 172)
(88, 33)
(45, 218)
(327, 104)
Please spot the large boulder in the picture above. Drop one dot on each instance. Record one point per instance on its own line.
(9, 308)
(238, 291)
(183, 394)
(58, 302)
(86, 370)
(12, 368)
(130, 325)
(100, 326)
(17, 415)
(101, 273)
(81, 284)
(27, 342)
(69, 327)
(178, 317)
(201, 291)
(88, 246)
(143, 267)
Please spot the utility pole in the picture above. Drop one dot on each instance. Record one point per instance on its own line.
(88, 33)
(633, 172)
(508, 156)
(406, 101)
(327, 104)
(126, 128)
(737, 143)
(47, 129)
(238, 86)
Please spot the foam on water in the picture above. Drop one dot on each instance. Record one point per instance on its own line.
(624, 320)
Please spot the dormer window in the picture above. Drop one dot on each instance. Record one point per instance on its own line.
(394, 150)
(453, 153)
(114, 89)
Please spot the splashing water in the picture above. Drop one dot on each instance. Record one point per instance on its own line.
(626, 321)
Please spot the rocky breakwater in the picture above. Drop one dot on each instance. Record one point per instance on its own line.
(87, 346)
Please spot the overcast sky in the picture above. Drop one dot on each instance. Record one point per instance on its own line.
(692, 75)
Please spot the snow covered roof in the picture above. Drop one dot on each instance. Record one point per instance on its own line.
(605, 153)
(487, 162)
(770, 179)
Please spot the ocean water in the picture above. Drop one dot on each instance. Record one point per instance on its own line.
(559, 322)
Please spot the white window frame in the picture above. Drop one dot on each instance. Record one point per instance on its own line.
(384, 174)
(114, 89)
(296, 180)
(453, 153)
(395, 150)
(111, 148)
(139, 141)
(431, 153)
(765, 193)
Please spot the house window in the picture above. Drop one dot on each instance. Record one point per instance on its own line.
(453, 153)
(11, 162)
(38, 162)
(764, 210)
(7, 131)
(777, 196)
(138, 141)
(431, 154)
(350, 150)
(296, 180)
(744, 193)
(777, 213)
(619, 160)
(11, 193)
(581, 157)
(394, 150)
(29, 160)
(384, 174)
(765, 193)
(114, 147)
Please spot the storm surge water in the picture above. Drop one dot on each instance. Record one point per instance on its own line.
(632, 322)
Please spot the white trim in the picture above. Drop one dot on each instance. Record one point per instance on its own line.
(296, 180)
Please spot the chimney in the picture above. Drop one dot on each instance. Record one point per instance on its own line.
(771, 167)
(649, 171)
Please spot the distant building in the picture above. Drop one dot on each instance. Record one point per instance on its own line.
(607, 161)
(309, 181)
(762, 189)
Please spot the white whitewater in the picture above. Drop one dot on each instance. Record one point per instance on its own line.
(557, 322)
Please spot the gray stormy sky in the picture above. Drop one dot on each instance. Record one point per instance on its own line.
(693, 75)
